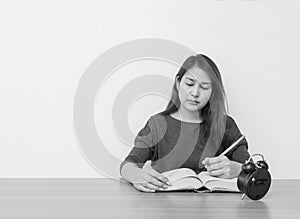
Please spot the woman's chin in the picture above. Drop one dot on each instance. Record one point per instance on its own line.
(193, 108)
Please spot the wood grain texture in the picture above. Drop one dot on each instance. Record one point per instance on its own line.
(107, 198)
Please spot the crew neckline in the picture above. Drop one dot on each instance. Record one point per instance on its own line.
(184, 121)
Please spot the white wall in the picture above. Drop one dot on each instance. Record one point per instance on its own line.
(46, 47)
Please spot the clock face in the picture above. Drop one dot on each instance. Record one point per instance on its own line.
(258, 184)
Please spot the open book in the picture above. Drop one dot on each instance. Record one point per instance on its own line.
(187, 179)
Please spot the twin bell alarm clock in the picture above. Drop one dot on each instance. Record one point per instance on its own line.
(254, 180)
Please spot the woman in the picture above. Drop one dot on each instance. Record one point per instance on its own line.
(193, 130)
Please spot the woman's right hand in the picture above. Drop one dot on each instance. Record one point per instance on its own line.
(149, 180)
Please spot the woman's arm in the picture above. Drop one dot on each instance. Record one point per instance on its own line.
(147, 180)
(239, 153)
(228, 166)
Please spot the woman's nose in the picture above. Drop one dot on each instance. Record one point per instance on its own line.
(195, 91)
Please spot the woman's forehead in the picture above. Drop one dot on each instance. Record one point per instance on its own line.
(198, 75)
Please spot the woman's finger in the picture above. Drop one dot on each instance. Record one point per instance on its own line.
(218, 159)
(218, 166)
(157, 183)
(149, 185)
(140, 187)
(214, 167)
(159, 177)
(219, 172)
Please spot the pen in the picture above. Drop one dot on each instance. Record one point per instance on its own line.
(232, 146)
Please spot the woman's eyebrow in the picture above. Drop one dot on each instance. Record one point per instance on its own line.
(206, 83)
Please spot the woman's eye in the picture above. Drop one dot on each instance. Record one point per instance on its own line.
(205, 88)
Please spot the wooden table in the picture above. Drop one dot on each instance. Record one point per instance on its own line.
(107, 198)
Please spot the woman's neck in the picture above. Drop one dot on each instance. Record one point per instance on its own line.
(187, 116)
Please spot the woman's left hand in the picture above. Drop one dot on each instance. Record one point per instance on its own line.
(222, 167)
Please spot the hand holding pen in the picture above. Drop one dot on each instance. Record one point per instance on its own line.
(221, 166)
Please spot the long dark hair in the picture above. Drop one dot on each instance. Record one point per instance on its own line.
(214, 112)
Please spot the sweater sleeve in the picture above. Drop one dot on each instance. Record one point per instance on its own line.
(143, 146)
(240, 152)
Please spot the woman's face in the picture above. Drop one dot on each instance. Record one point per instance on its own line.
(194, 89)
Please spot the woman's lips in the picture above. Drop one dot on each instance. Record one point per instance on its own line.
(193, 102)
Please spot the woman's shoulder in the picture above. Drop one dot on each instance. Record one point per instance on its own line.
(231, 124)
(157, 119)
(229, 119)
(158, 125)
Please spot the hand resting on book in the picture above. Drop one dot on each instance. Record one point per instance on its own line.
(146, 179)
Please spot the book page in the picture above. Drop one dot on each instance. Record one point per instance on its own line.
(180, 173)
(215, 183)
(187, 183)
